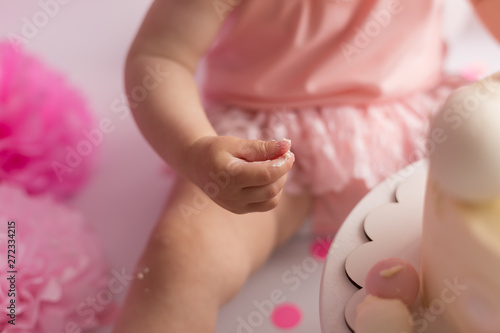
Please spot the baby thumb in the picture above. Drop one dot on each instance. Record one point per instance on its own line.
(258, 150)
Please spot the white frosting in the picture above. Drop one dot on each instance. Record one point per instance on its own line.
(460, 259)
(282, 160)
(377, 315)
(465, 142)
(454, 259)
(480, 307)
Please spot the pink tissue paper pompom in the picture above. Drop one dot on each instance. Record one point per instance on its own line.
(42, 120)
(63, 283)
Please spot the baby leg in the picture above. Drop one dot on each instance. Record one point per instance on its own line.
(195, 265)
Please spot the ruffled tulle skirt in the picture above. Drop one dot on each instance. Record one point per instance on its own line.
(341, 151)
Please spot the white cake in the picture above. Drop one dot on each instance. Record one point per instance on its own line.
(460, 267)
(460, 248)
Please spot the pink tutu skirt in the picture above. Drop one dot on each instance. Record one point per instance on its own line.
(341, 151)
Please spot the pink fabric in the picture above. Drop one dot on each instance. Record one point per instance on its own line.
(341, 151)
(318, 52)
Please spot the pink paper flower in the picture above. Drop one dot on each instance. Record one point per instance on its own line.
(62, 282)
(42, 124)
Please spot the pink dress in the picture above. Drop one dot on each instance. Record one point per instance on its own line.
(351, 82)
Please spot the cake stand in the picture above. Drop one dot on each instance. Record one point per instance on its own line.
(390, 215)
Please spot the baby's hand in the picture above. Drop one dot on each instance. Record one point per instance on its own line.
(240, 175)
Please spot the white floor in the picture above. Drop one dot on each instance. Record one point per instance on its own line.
(88, 41)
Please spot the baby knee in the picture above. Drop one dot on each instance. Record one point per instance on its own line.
(219, 267)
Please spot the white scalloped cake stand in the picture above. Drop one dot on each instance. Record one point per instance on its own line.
(391, 216)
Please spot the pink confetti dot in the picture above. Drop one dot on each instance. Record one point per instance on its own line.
(286, 316)
(320, 247)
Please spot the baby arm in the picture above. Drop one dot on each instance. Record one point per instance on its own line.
(173, 37)
(171, 40)
(489, 12)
